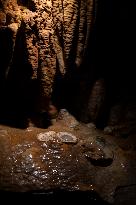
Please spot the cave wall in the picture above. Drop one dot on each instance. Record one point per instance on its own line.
(48, 41)
(106, 93)
(74, 54)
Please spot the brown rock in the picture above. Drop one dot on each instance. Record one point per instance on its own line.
(49, 29)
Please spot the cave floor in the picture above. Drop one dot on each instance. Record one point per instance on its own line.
(67, 158)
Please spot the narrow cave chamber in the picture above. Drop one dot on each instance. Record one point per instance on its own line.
(72, 125)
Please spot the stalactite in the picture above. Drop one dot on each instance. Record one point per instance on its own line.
(56, 34)
(81, 32)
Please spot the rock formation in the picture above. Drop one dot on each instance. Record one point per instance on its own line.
(52, 57)
(52, 35)
(68, 156)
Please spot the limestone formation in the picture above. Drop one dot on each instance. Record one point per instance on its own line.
(55, 35)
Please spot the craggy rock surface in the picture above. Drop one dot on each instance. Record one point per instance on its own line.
(68, 156)
(53, 37)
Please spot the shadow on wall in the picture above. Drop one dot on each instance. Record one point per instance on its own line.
(16, 86)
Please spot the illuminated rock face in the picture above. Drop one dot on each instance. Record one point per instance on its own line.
(55, 35)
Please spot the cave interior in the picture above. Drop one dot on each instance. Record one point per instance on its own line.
(101, 91)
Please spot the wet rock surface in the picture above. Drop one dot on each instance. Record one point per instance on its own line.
(60, 158)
